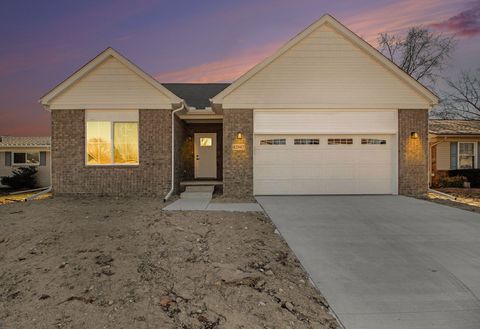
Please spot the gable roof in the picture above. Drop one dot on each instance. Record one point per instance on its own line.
(454, 127)
(14, 141)
(92, 64)
(196, 94)
(344, 31)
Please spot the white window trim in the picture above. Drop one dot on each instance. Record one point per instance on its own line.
(15, 164)
(112, 147)
(475, 153)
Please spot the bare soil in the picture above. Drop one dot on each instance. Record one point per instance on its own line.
(465, 198)
(124, 263)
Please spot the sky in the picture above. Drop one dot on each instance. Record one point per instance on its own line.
(43, 42)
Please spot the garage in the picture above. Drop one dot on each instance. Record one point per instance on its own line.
(297, 152)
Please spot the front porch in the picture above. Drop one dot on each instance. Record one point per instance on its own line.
(199, 160)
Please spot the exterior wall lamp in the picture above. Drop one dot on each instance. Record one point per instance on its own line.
(239, 135)
(414, 135)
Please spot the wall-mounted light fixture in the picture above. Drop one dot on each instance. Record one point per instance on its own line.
(239, 135)
(414, 135)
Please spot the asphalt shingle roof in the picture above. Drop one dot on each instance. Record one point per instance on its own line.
(454, 127)
(12, 141)
(196, 94)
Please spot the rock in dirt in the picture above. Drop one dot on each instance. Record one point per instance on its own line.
(228, 273)
(103, 260)
(44, 296)
(269, 272)
(288, 306)
(165, 301)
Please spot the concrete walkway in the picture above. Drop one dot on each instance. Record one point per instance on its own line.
(206, 204)
(386, 262)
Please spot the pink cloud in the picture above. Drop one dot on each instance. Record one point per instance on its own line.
(226, 69)
(399, 16)
(466, 23)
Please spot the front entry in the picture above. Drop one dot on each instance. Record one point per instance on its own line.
(205, 155)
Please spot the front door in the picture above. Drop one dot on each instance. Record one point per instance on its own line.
(205, 155)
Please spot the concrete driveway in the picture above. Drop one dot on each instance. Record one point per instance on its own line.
(386, 262)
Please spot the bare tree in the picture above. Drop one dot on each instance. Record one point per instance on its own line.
(420, 53)
(463, 97)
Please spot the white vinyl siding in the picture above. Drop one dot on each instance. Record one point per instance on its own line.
(443, 156)
(443, 152)
(325, 121)
(325, 169)
(325, 70)
(111, 85)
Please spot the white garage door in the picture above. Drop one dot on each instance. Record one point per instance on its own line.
(324, 164)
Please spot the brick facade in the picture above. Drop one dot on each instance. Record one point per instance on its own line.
(150, 178)
(238, 164)
(412, 153)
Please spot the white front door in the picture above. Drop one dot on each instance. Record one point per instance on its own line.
(205, 155)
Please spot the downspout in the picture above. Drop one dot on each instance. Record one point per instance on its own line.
(172, 188)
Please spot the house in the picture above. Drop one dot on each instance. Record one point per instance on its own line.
(18, 152)
(454, 144)
(325, 114)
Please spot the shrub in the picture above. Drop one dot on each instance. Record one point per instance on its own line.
(455, 181)
(472, 175)
(22, 177)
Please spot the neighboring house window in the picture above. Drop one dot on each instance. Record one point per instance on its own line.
(278, 141)
(306, 141)
(112, 143)
(340, 141)
(26, 158)
(373, 141)
(466, 155)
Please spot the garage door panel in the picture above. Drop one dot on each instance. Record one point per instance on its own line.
(322, 168)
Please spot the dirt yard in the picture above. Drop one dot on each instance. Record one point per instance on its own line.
(465, 198)
(123, 263)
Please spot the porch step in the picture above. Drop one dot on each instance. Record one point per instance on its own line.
(199, 188)
(198, 192)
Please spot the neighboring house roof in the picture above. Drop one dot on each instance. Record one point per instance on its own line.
(352, 37)
(100, 58)
(454, 127)
(197, 95)
(14, 141)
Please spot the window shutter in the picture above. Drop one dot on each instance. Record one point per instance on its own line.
(8, 159)
(453, 155)
(43, 158)
(478, 155)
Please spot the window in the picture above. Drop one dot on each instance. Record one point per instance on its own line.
(279, 141)
(112, 143)
(466, 155)
(26, 158)
(205, 141)
(373, 141)
(306, 141)
(340, 141)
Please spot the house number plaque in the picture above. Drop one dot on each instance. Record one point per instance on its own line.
(239, 147)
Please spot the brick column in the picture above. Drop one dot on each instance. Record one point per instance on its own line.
(412, 153)
(238, 163)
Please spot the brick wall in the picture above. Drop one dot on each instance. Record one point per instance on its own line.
(238, 164)
(412, 153)
(150, 178)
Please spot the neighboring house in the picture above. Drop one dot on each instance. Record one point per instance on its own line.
(18, 152)
(325, 114)
(454, 144)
